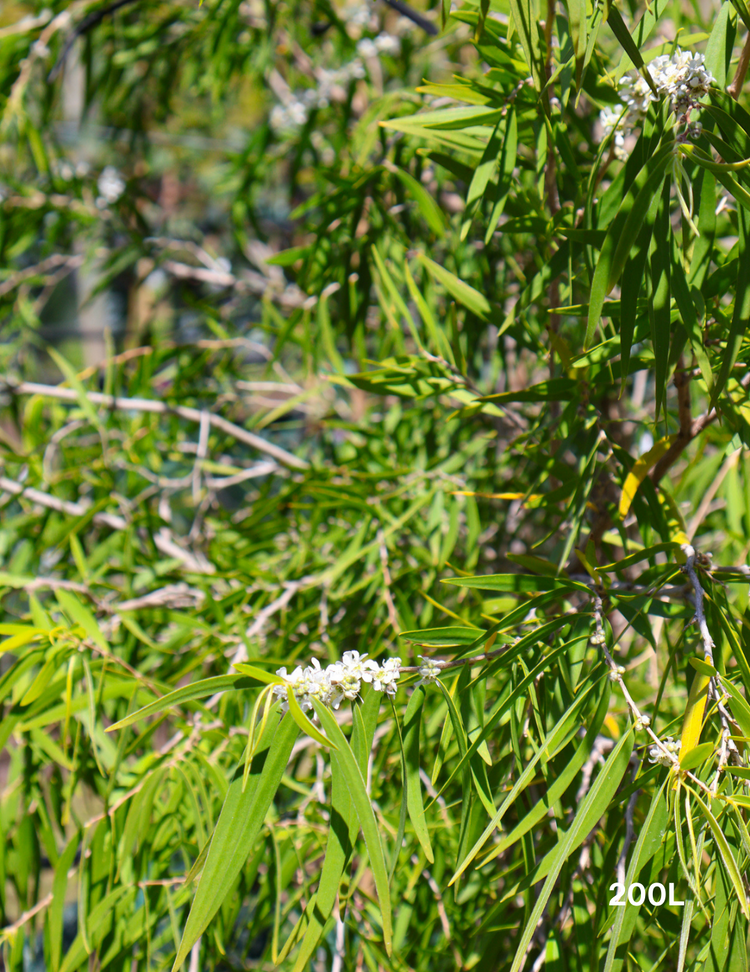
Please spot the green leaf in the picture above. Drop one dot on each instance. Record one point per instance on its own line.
(80, 614)
(303, 722)
(633, 277)
(59, 893)
(622, 34)
(624, 230)
(646, 554)
(506, 165)
(342, 831)
(730, 865)
(660, 295)
(557, 736)
(237, 829)
(703, 667)
(739, 706)
(720, 45)
(367, 821)
(590, 811)
(741, 312)
(412, 724)
(516, 583)
(465, 294)
(697, 755)
(198, 690)
(443, 637)
(432, 213)
(689, 315)
(650, 836)
(526, 17)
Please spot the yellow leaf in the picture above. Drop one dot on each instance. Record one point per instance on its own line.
(611, 724)
(640, 470)
(675, 522)
(693, 721)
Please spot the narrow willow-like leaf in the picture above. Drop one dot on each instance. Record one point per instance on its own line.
(341, 834)
(198, 690)
(237, 829)
(520, 583)
(431, 212)
(659, 297)
(739, 706)
(412, 725)
(650, 835)
(622, 34)
(692, 722)
(556, 736)
(640, 470)
(303, 722)
(623, 232)
(689, 315)
(366, 815)
(59, 890)
(464, 293)
(719, 47)
(255, 732)
(80, 614)
(589, 813)
(741, 312)
(507, 163)
(525, 18)
(730, 864)
(633, 275)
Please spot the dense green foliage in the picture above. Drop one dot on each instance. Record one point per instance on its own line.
(324, 334)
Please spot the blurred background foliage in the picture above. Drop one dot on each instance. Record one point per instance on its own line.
(261, 266)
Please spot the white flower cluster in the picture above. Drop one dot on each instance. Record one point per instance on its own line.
(331, 87)
(683, 78)
(428, 670)
(359, 13)
(110, 185)
(67, 171)
(383, 44)
(341, 680)
(657, 755)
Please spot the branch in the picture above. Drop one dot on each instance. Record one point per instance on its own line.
(40, 269)
(739, 78)
(686, 435)
(164, 541)
(700, 617)
(93, 20)
(150, 405)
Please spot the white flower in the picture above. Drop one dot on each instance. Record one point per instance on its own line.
(360, 666)
(386, 676)
(110, 184)
(294, 679)
(429, 670)
(682, 77)
(610, 119)
(358, 13)
(285, 118)
(388, 44)
(366, 48)
(340, 680)
(657, 755)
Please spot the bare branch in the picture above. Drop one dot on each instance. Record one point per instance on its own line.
(738, 80)
(152, 405)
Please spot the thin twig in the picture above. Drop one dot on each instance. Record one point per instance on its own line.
(163, 408)
(40, 269)
(738, 80)
(700, 617)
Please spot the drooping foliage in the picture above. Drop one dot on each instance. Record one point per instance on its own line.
(375, 485)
